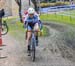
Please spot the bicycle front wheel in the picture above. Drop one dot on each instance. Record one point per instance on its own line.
(33, 50)
(4, 29)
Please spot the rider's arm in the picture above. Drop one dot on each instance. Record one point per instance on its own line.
(37, 19)
(40, 24)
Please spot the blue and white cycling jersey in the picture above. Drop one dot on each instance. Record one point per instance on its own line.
(33, 20)
(36, 17)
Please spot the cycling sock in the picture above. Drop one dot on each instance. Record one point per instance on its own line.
(28, 47)
(36, 38)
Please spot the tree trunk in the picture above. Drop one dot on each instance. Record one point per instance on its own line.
(19, 4)
(35, 5)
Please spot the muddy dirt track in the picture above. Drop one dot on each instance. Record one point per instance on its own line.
(57, 49)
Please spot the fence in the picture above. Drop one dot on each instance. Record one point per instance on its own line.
(57, 8)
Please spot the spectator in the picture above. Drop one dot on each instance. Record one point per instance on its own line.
(2, 4)
(1, 15)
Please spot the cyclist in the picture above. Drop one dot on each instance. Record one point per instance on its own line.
(24, 15)
(31, 21)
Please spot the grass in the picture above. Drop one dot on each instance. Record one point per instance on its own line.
(67, 17)
(58, 18)
(69, 12)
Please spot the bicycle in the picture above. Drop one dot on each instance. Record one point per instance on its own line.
(33, 45)
(4, 28)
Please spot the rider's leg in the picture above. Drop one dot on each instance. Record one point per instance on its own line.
(28, 37)
(36, 27)
(37, 38)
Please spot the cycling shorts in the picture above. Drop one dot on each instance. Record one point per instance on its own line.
(30, 26)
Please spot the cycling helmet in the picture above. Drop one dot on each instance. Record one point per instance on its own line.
(31, 11)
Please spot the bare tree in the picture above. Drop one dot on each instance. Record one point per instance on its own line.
(35, 5)
(19, 4)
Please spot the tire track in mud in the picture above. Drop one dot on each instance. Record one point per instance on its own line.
(65, 41)
(48, 52)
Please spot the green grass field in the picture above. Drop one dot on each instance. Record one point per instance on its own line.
(68, 12)
(68, 18)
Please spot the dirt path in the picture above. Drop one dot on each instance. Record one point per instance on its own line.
(48, 53)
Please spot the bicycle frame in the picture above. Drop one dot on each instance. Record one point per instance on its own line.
(33, 37)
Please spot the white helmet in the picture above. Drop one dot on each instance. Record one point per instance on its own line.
(31, 11)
